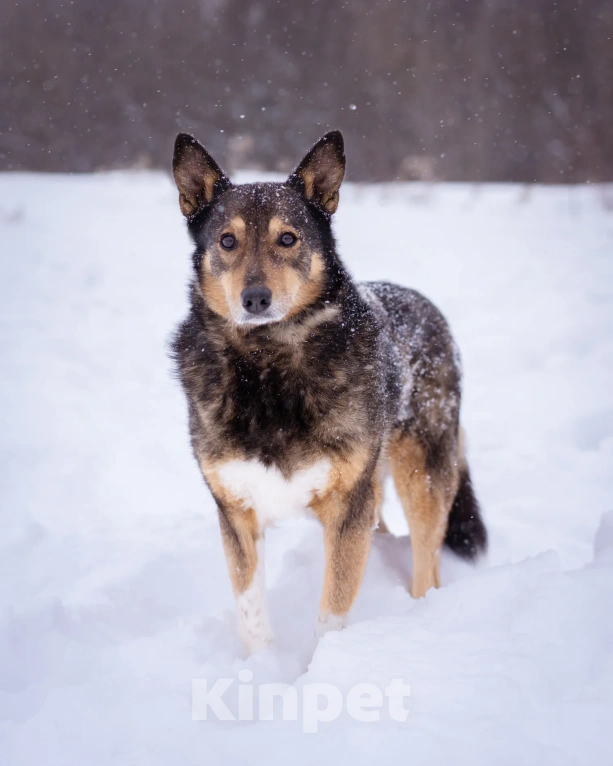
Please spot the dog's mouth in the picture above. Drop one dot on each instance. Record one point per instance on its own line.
(273, 313)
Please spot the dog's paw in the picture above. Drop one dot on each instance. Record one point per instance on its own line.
(255, 632)
(256, 643)
(328, 622)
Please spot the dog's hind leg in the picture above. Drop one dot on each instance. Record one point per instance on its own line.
(426, 493)
(243, 544)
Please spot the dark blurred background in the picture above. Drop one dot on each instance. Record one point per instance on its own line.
(478, 90)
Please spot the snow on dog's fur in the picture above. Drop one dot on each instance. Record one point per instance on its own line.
(304, 387)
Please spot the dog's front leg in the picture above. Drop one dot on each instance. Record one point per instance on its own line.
(348, 520)
(244, 548)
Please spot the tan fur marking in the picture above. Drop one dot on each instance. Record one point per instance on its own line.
(233, 283)
(346, 548)
(346, 557)
(426, 500)
(288, 287)
(283, 281)
(187, 204)
(213, 291)
(298, 333)
(239, 541)
(236, 226)
(346, 553)
(209, 182)
(308, 292)
(344, 473)
(330, 202)
(241, 552)
(309, 181)
(276, 227)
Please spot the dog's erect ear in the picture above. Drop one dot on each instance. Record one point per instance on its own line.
(198, 177)
(321, 172)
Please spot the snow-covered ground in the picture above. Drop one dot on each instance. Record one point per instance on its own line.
(113, 590)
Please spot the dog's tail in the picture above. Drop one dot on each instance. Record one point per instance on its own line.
(466, 533)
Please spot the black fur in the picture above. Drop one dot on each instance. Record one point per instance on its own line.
(466, 533)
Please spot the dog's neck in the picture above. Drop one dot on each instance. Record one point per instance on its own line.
(291, 332)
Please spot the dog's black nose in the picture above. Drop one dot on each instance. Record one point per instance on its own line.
(256, 300)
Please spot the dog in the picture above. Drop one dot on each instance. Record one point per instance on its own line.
(304, 387)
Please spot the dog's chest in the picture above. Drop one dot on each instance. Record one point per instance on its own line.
(272, 496)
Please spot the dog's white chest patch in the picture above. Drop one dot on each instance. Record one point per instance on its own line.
(268, 492)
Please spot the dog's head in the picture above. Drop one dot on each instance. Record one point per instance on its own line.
(260, 248)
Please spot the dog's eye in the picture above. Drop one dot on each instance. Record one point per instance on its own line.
(287, 239)
(228, 241)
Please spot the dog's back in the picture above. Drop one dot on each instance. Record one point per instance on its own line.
(428, 405)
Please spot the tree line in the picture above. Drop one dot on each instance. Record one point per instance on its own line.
(472, 90)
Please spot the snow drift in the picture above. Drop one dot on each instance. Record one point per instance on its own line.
(113, 590)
